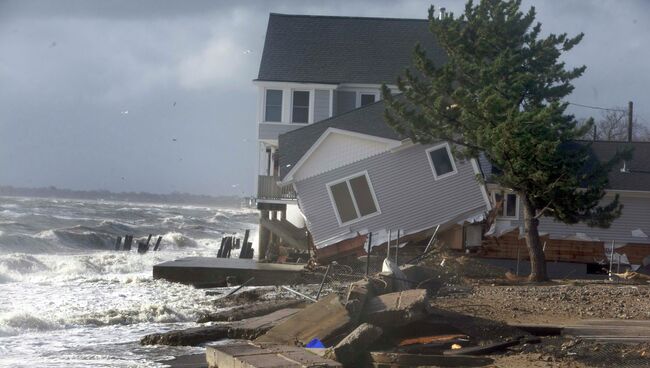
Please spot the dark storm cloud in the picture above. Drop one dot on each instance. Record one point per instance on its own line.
(159, 92)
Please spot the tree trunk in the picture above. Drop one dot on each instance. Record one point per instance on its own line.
(535, 250)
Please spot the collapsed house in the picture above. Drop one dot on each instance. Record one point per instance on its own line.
(332, 171)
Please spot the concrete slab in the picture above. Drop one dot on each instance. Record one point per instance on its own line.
(245, 329)
(254, 355)
(212, 271)
(323, 320)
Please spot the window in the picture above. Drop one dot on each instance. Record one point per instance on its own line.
(367, 98)
(508, 204)
(273, 110)
(441, 161)
(353, 198)
(300, 113)
(364, 98)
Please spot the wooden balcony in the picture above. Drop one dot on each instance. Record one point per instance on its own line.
(269, 190)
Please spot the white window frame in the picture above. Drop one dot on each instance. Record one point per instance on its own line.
(354, 200)
(505, 193)
(264, 106)
(310, 108)
(367, 92)
(451, 158)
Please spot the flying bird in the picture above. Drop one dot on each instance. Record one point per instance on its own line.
(174, 139)
(174, 103)
(125, 112)
(246, 52)
(53, 44)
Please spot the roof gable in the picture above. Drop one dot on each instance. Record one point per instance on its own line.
(336, 148)
(329, 49)
(368, 120)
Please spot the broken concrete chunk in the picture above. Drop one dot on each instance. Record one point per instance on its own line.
(358, 293)
(397, 309)
(323, 320)
(350, 349)
(246, 329)
(250, 355)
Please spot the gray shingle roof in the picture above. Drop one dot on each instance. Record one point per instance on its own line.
(638, 177)
(367, 120)
(333, 50)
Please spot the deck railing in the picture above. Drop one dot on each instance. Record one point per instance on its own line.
(267, 188)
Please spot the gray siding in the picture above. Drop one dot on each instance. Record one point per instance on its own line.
(321, 104)
(344, 101)
(636, 215)
(272, 131)
(408, 196)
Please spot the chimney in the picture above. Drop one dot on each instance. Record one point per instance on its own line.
(442, 13)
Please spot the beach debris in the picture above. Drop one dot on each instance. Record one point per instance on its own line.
(315, 344)
(250, 354)
(358, 294)
(249, 311)
(298, 293)
(246, 329)
(324, 320)
(397, 309)
(483, 349)
(433, 339)
(239, 287)
(320, 289)
(387, 359)
(350, 349)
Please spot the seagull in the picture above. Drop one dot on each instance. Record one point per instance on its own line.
(125, 112)
(174, 139)
(53, 44)
(246, 52)
(174, 103)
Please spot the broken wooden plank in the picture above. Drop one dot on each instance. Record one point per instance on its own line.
(484, 349)
(250, 311)
(432, 339)
(252, 355)
(397, 309)
(157, 246)
(323, 320)
(381, 359)
(246, 329)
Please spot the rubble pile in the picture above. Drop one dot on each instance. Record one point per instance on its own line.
(422, 315)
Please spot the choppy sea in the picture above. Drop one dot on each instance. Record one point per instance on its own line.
(68, 299)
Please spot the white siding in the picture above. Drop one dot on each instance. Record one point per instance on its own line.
(409, 198)
(338, 150)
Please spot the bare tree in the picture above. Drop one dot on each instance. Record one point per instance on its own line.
(612, 126)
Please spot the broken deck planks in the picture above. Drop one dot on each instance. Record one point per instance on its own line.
(246, 329)
(323, 320)
(250, 311)
(253, 355)
(213, 271)
(381, 359)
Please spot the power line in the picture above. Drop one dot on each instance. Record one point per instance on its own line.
(597, 107)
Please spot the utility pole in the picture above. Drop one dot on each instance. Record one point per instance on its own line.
(630, 109)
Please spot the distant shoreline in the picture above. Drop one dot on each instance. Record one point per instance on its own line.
(175, 198)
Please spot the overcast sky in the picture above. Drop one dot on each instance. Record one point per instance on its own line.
(157, 95)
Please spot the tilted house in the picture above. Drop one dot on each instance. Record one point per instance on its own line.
(354, 175)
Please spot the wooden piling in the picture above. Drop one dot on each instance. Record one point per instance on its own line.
(118, 243)
(155, 248)
(128, 241)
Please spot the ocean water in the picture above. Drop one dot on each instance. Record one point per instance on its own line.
(68, 299)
